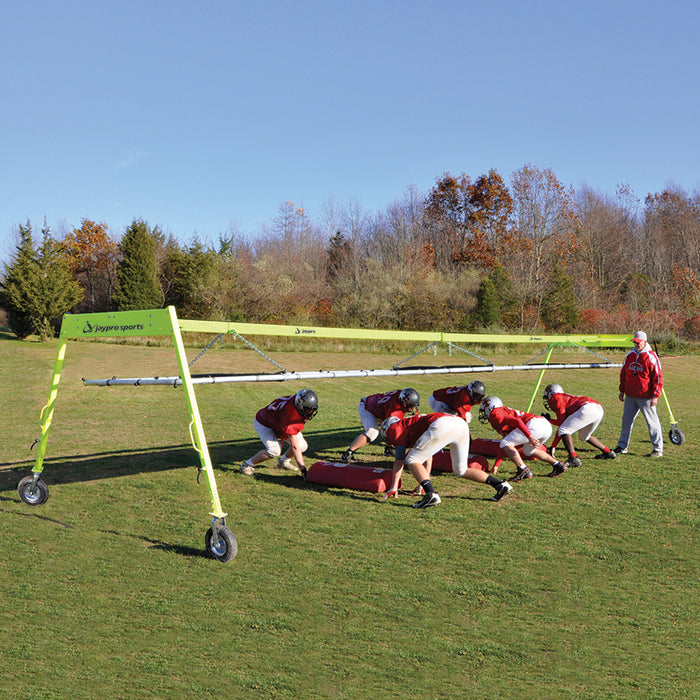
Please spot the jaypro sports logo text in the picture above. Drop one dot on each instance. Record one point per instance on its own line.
(97, 328)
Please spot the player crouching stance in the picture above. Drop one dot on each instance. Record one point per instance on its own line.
(520, 429)
(574, 413)
(458, 400)
(279, 422)
(376, 408)
(425, 435)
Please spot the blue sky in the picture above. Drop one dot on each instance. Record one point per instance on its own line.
(201, 116)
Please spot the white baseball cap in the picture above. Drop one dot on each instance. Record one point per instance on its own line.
(639, 335)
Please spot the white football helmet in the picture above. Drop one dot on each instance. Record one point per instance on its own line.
(549, 391)
(487, 405)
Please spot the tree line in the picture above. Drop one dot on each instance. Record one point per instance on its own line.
(472, 254)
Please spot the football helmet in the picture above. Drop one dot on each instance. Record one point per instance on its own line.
(306, 403)
(387, 423)
(409, 398)
(549, 391)
(476, 391)
(487, 405)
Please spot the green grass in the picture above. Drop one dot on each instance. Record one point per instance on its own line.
(582, 586)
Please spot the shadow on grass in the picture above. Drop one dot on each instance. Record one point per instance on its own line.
(105, 465)
(37, 516)
(160, 545)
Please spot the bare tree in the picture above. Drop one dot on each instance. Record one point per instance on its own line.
(607, 232)
(544, 219)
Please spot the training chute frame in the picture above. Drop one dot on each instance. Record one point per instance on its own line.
(220, 542)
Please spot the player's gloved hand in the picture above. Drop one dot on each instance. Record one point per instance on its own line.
(546, 415)
(303, 471)
(390, 494)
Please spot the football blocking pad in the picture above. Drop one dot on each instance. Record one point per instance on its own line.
(350, 476)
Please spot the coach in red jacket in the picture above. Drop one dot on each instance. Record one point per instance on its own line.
(641, 383)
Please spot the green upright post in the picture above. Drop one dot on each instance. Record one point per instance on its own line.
(539, 379)
(200, 442)
(47, 411)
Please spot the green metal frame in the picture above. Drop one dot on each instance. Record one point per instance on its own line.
(157, 322)
(164, 322)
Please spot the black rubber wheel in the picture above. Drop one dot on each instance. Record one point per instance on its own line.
(226, 548)
(33, 494)
(676, 436)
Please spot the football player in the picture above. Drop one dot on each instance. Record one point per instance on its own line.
(574, 413)
(374, 409)
(281, 422)
(520, 429)
(418, 438)
(458, 400)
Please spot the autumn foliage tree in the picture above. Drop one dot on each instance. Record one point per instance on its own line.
(469, 219)
(470, 253)
(93, 255)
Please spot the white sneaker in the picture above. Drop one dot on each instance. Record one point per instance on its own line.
(284, 463)
(430, 499)
(656, 453)
(503, 490)
(246, 469)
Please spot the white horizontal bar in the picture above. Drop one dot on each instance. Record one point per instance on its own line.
(336, 374)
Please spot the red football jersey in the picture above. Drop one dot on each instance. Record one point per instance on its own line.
(456, 397)
(282, 417)
(406, 431)
(504, 420)
(384, 405)
(565, 405)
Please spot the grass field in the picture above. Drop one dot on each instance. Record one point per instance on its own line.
(585, 586)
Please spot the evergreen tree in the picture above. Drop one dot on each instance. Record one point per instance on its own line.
(190, 276)
(38, 288)
(488, 305)
(559, 309)
(137, 274)
(19, 289)
(58, 291)
(339, 251)
(507, 300)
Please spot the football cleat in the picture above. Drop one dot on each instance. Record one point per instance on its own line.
(503, 490)
(246, 469)
(523, 474)
(430, 499)
(284, 463)
(559, 469)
